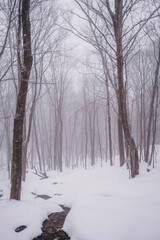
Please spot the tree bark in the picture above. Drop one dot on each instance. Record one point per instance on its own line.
(120, 143)
(16, 173)
(117, 20)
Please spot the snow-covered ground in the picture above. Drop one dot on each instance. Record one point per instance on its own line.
(105, 204)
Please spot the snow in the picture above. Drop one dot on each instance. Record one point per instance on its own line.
(114, 218)
(15, 214)
(118, 208)
(104, 202)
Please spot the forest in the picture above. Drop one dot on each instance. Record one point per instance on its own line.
(80, 97)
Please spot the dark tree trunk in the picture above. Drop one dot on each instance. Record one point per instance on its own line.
(60, 145)
(117, 19)
(124, 118)
(16, 173)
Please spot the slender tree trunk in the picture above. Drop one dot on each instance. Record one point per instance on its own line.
(86, 130)
(109, 123)
(106, 137)
(26, 142)
(92, 136)
(152, 107)
(154, 133)
(99, 141)
(60, 160)
(93, 131)
(121, 143)
(144, 122)
(56, 141)
(141, 125)
(37, 145)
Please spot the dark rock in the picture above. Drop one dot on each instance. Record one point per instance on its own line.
(20, 228)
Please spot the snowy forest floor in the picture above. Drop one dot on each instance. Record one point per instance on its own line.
(105, 204)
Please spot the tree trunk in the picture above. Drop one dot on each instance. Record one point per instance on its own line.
(109, 123)
(123, 115)
(16, 172)
(117, 19)
(121, 143)
(151, 110)
(37, 144)
(61, 146)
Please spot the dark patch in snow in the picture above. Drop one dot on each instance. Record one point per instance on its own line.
(57, 183)
(57, 194)
(52, 227)
(1, 191)
(20, 228)
(43, 196)
(148, 170)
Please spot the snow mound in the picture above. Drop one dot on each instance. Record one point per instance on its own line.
(17, 213)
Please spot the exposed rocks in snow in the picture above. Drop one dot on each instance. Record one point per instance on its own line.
(52, 227)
